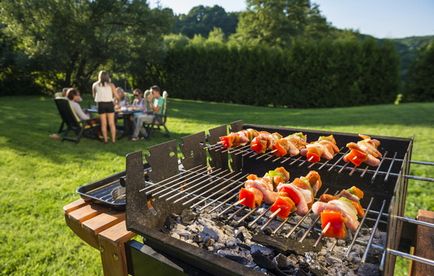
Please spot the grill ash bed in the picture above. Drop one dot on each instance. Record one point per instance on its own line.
(188, 210)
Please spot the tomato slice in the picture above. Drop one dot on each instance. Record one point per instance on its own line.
(248, 196)
(286, 206)
(291, 194)
(337, 227)
(312, 157)
(280, 150)
(226, 141)
(252, 197)
(256, 145)
(356, 157)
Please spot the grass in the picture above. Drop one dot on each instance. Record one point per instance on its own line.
(39, 176)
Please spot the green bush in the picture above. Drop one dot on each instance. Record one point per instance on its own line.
(308, 74)
(420, 85)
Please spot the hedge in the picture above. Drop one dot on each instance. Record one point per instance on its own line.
(309, 74)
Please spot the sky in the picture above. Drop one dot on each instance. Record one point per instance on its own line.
(380, 18)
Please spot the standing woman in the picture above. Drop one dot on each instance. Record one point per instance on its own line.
(104, 93)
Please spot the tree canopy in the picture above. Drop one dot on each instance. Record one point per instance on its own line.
(278, 22)
(201, 20)
(67, 41)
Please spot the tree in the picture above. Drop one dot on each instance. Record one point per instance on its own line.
(420, 85)
(201, 20)
(67, 41)
(278, 22)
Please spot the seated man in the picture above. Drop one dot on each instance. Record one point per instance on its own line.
(156, 104)
(74, 98)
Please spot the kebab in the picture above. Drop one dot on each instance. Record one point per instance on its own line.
(291, 144)
(325, 147)
(339, 212)
(365, 151)
(240, 138)
(264, 141)
(258, 189)
(301, 192)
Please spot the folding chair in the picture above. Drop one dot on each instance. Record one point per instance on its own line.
(160, 119)
(71, 122)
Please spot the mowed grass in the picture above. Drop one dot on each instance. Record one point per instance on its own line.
(39, 176)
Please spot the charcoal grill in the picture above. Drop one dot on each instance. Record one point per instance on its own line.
(207, 178)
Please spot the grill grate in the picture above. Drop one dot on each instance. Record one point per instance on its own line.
(184, 189)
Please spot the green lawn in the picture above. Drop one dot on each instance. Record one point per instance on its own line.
(39, 176)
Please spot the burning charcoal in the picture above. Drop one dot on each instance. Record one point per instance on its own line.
(256, 248)
(304, 270)
(368, 269)
(175, 235)
(218, 245)
(209, 233)
(210, 248)
(233, 255)
(188, 216)
(231, 243)
(354, 257)
(197, 238)
(282, 261)
(331, 260)
(265, 261)
(293, 259)
(268, 231)
(169, 224)
(208, 242)
(341, 243)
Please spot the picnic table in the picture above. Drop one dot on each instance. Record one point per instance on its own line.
(125, 115)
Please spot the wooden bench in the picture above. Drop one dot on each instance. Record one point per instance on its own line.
(103, 229)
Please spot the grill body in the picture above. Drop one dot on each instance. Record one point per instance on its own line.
(146, 215)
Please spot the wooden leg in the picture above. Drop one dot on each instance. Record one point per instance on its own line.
(112, 246)
(424, 244)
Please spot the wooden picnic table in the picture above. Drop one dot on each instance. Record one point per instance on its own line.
(103, 229)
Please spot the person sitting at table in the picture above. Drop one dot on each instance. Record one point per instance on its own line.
(122, 102)
(138, 102)
(74, 98)
(157, 108)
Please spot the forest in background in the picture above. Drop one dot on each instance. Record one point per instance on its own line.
(275, 49)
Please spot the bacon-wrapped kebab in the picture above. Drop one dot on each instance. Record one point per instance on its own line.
(365, 151)
(257, 189)
(264, 141)
(301, 191)
(240, 138)
(340, 211)
(291, 144)
(324, 147)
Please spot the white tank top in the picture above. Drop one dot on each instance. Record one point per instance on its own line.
(103, 93)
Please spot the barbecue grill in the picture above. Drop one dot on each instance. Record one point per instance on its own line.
(201, 178)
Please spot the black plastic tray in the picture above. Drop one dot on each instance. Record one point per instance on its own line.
(101, 191)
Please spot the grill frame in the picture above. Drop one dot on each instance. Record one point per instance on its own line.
(138, 220)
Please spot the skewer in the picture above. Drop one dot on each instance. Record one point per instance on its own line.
(247, 215)
(270, 218)
(280, 226)
(230, 206)
(236, 212)
(333, 245)
(324, 230)
(310, 159)
(258, 217)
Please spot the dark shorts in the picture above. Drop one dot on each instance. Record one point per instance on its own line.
(106, 107)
